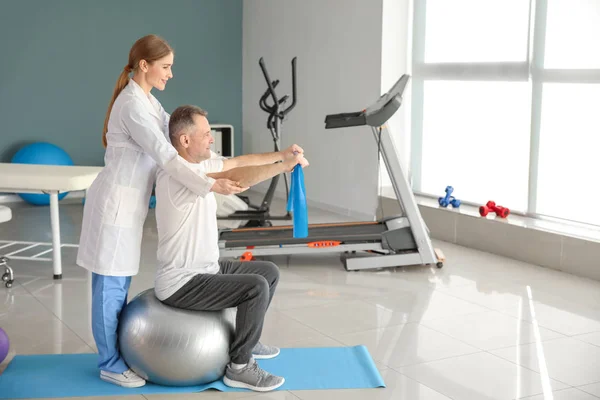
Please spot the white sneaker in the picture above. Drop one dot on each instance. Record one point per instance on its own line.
(128, 379)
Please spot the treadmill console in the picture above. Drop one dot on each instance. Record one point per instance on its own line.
(377, 114)
(345, 119)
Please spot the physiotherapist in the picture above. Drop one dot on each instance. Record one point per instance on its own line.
(135, 136)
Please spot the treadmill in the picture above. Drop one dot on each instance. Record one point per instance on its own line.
(395, 241)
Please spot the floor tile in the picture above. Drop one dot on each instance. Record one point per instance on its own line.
(569, 319)
(489, 330)
(424, 305)
(480, 376)
(346, 317)
(592, 338)
(407, 344)
(593, 389)
(568, 360)
(566, 394)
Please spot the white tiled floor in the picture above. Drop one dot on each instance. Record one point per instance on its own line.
(483, 327)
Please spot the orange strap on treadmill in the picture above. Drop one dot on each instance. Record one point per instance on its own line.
(324, 243)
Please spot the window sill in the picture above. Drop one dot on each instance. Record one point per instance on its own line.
(558, 227)
(553, 244)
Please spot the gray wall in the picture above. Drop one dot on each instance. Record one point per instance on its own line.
(338, 44)
(61, 59)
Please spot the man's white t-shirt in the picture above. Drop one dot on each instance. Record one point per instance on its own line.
(188, 242)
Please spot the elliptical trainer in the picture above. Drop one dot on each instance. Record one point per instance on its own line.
(259, 215)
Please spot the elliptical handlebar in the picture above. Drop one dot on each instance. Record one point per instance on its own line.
(274, 109)
(271, 89)
(287, 110)
(263, 99)
(260, 215)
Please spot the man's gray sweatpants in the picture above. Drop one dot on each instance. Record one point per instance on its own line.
(249, 286)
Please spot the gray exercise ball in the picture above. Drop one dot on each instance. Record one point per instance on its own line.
(174, 347)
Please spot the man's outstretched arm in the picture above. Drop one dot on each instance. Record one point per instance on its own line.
(262, 158)
(251, 175)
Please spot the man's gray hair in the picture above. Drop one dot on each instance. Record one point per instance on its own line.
(182, 120)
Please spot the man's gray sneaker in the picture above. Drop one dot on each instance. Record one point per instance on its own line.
(252, 377)
(261, 352)
(128, 379)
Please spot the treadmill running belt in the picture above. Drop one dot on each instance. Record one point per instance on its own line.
(346, 233)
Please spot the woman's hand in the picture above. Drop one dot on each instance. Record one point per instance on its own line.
(297, 159)
(226, 187)
(291, 152)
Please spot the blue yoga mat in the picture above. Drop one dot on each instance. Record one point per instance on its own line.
(74, 375)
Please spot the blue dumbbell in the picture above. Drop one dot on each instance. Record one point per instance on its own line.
(448, 199)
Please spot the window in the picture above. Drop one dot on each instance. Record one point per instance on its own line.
(470, 145)
(569, 146)
(476, 30)
(504, 100)
(572, 34)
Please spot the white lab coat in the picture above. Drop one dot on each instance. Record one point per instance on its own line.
(117, 202)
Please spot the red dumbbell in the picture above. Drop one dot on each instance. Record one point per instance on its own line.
(500, 211)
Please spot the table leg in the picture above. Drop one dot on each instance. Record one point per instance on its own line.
(56, 256)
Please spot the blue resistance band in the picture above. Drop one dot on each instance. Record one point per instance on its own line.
(297, 203)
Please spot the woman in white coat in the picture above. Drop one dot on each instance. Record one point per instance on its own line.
(135, 136)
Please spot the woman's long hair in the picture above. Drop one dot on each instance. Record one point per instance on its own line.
(149, 48)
